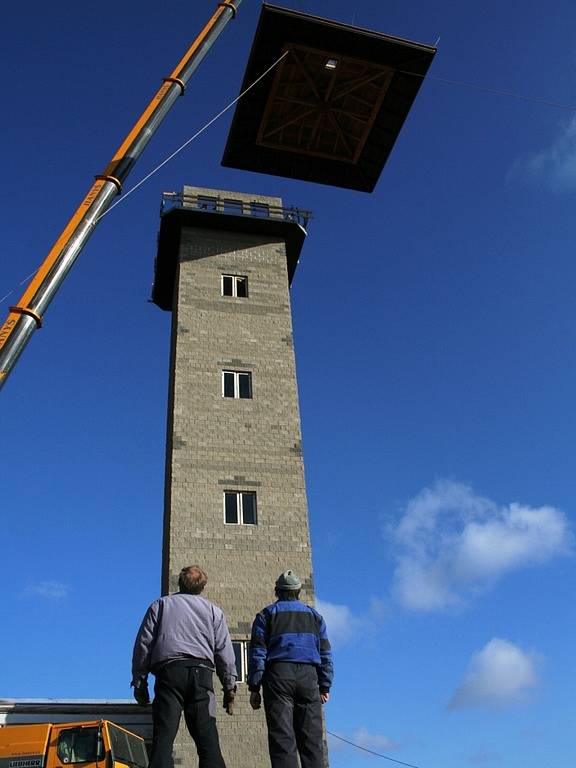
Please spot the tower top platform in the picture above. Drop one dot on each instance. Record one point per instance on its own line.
(203, 208)
(332, 109)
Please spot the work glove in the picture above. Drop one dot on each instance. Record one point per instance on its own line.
(228, 703)
(141, 692)
(255, 700)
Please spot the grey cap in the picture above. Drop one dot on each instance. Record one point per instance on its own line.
(288, 580)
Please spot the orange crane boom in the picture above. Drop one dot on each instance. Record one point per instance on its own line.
(26, 316)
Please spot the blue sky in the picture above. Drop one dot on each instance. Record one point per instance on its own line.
(435, 339)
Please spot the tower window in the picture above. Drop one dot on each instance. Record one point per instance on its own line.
(240, 507)
(240, 652)
(237, 384)
(235, 285)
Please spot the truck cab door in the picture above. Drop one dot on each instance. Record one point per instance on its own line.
(76, 746)
(127, 750)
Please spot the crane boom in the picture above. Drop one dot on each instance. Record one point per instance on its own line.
(27, 314)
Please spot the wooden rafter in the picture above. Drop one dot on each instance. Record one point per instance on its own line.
(312, 110)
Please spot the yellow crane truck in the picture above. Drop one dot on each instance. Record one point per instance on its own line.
(90, 744)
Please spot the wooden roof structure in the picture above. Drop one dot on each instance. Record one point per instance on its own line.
(332, 109)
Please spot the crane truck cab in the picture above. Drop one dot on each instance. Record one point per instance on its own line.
(90, 744)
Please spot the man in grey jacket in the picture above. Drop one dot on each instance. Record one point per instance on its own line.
(181, 640)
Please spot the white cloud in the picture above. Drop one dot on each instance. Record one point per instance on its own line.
(500, 674)
(341, 624)
(51, 590)
(344, 626)
(555, 165)
(451, 544)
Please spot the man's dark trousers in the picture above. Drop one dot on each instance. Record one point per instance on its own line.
(185, 686)
(293, 715)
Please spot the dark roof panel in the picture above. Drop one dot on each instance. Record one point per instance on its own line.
(332, 109)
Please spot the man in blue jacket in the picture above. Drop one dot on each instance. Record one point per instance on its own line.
(183, 637)
(290, 658)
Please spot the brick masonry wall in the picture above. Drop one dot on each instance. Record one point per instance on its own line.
(218, 444)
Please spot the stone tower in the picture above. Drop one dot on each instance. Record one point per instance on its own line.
(235, 498)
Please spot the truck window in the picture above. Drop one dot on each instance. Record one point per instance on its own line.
(80, 745)
(127, 748)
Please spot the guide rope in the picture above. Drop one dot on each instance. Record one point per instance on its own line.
(191, 139)
(446, 81)
(410, 765)
(167, 159)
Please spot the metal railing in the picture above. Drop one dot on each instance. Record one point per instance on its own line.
(233, 207)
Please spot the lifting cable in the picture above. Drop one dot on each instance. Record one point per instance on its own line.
(191, 139)
(446, 81)
(167, 159)
(364, 749)
(24, 280)
(496, 91)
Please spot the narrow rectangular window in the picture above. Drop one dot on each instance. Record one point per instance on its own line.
(237, 384)
(235, 285)
(249, 508)
(228, 383)
(240, 653)
(240, 508)
(231, 508)
(245, 385)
